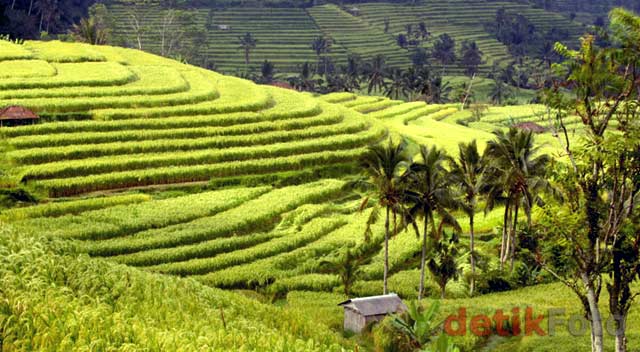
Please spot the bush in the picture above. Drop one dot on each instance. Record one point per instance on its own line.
(13, 197)
(387, 339)
(494, 281)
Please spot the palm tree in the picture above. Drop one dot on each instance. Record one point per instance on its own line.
(499, 92)
(304, 81)
(338, 83)
(49, 11)
(438, 90)
(444, 50)
(468, 173)
(384, 167)
(430, 193)
(517, 175)
(471, 57)
(398, 86)
(346, 265)
(321, 45)
(267, 71)
(375, 70)
(247, 43)
(90, 31)
(352, 71)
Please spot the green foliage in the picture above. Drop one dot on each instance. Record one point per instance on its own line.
(421, 324)
(443, 263)
(127, 219)
(57, 209)
(54, 301)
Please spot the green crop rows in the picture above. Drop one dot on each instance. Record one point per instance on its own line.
(115, 118)
(284, 35)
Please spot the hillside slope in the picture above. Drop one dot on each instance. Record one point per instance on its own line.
(284, 35)
(54, 299)
(119, 118)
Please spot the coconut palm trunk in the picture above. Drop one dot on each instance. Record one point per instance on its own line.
(505, 227)
(423, 258)
(472, 253)
(512, 250)
(386, 252)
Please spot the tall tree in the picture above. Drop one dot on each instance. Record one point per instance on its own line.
(468, 173)
(419, 57)
(352, 71)
(49, 12)
(603, 181)
(518, 173)
(401, 39)
(443, 263)
(384, 167)
(267, 71)
(136, 21)
(499, 92)
(430, 193)
(375, 72)
(321, 46)
(438, 90)
(398, 84)
(172, 30)
(90, 31)
(247, 43)
(444, 50)
(471, 57)
(424, 32)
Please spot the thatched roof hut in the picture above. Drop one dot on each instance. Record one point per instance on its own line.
(14, 114)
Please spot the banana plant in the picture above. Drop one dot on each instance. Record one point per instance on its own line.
(421, 328)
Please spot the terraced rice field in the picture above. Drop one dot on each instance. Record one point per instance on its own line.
(152, 122)
(418, 122)
(463, 20)
(148, 166)
(123, 124)
(357, 35)
(284, 35)
(277, 31)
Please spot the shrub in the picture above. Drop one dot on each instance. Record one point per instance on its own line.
(494, 281)
(386, 338)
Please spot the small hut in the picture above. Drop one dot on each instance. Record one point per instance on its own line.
(359, 312)
(354, 11)
(224, 27)
(16, 115)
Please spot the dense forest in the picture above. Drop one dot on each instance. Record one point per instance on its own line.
(28, 19)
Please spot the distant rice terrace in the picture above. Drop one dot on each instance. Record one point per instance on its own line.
(284, 35)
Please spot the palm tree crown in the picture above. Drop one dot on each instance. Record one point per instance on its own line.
(517, 173)
(430, 193)
(384, 167)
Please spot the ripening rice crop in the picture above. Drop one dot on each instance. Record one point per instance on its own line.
(13, 51)
(26, 69)
(114, 118)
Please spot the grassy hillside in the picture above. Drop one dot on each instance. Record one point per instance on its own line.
(136, 117)
(284, 35)
(177, 204)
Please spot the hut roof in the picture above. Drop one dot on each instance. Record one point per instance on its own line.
(15, 112)
(375, 305)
